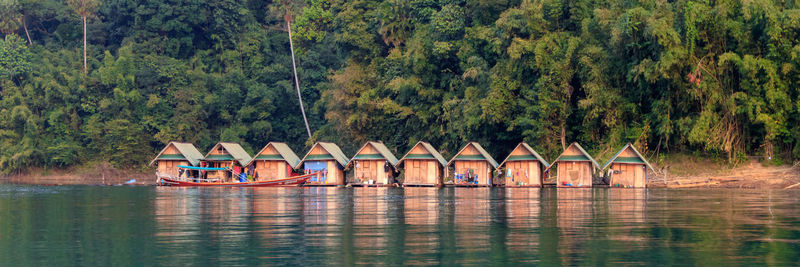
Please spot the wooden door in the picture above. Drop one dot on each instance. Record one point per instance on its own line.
(412, 167)
(638, 177)
(431, 173)
(420, 170)
(381, 176)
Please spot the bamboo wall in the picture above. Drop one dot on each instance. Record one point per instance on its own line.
(219, 150)
(225, 176)
(422, 171)
(171, 166)
(481, 168)
(335, 175)
(366, 170)
(270, 169)
(577, 173)
(628, 174)
(523, 173)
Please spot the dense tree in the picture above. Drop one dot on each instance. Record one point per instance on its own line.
(714, 78)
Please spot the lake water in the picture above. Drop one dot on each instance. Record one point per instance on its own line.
(142, 226)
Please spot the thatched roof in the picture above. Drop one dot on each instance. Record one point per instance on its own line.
(583, 157)
(525, 146)
(639, 159)
(332, 149)
(483, 155)
(187, 150)
(434, 154)
(284, 152)
(235, 151)
(383, 151)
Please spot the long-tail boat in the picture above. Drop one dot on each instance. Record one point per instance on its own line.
(169, 180)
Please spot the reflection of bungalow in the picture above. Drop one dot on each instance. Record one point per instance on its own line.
(574, 212)
(329, 160)
(174, 154)
(226, 155)
(473, 166)
(422, 165)
(575, 167)
(275, 161)
(524, 167)
(419, 209)
(521, 207)
(322, 209)
(629, 168)
(373, 164)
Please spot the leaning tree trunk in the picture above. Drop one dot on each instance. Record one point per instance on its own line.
(296, 80)
(563, 135)
(25, 26)
(85, 71)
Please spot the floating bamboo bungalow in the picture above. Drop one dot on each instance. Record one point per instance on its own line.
(175, 154)
(373, 164)
(275, 161)
(423, 166)
(575, 167)
(524, 167)
(473, 166)
(327, 158)
(226, 155)
(628, 168)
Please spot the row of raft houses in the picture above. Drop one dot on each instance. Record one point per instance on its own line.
(423, 165)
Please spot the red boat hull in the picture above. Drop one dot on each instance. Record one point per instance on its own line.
(291, 181)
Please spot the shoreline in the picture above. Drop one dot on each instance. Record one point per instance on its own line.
(752, 176)
(101, 174)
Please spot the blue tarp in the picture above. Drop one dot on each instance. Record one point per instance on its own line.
(317, 166)
(201, 168)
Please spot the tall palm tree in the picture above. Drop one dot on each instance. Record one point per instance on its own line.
(84, 8)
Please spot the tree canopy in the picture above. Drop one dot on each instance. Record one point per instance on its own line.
(712, 77)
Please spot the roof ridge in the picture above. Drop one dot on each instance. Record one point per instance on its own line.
(635, 151)
(531, 150)
(480, 149)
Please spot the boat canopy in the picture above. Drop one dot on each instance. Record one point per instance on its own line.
(201, 168)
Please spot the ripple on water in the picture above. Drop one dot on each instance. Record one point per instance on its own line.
(396, 226)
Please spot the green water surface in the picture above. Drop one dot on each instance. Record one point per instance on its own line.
(146, 226)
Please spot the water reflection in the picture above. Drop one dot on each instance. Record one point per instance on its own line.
(523, 208)
(420, 229)
(397, 226)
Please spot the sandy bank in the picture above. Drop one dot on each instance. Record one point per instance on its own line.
(93, 174)
(750, 175)
(689, 174)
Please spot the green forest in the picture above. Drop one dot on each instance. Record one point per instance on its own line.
(115, 80)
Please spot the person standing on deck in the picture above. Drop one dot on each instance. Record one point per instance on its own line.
(230, 169)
